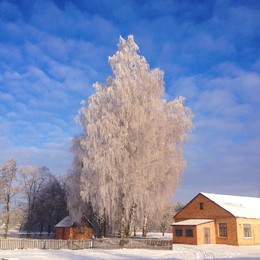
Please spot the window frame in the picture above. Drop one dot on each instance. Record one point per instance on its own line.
(247, 230)
(191, 234)
(178, 234)
(222, 229)
(201, 205)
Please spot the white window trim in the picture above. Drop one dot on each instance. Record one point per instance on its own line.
(250, 231)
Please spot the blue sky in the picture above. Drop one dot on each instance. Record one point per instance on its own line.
(52, 51)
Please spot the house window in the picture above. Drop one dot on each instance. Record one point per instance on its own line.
(247, 230)
(201, 205)
(189, 232)
(178, 232)
(222, 229)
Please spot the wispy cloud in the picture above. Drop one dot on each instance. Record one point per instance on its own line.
(51, 52)
(225, 138)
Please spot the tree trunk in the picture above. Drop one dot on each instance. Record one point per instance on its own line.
(145, 225)
(122, 222)
(104, 224)
(29, 224)
(49, 229)
(131, 220)
(41, 226)
(135, 228)
(7, 222)
(29, 217)
(163, 231)
(100, 225)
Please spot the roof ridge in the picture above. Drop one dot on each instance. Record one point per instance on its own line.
(228, 195)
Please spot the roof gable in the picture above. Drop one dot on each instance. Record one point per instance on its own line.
(238, 206)
(187, 212)
(66, 222)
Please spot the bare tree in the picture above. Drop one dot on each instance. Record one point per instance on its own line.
(178, 207)
(9, 187)
(34, 179)
(50, 206)
(167, 219)
(130, 154)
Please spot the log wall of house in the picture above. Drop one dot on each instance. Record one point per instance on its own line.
(62, 233)
(80, 233)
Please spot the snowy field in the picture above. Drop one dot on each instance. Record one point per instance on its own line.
(178, 252)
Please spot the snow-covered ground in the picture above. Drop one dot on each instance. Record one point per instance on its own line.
(178, 252)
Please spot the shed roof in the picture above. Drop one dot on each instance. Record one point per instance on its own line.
(66, 222)
(238, 206)
(191, 222)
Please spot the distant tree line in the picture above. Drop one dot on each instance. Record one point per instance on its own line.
(31, 198)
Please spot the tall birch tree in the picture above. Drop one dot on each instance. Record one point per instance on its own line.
(129, 159)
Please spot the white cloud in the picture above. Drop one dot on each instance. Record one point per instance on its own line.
(50, 57)
(225, 138)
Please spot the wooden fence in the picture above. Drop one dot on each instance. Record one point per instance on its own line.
(114, 243)
(105, 243)
(16, 243)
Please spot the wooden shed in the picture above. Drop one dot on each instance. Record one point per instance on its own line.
(67, 229)
(218, 219)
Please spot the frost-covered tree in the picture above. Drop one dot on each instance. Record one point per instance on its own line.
(9, 187)
(75, 204)
(78, 207)
(129, 160)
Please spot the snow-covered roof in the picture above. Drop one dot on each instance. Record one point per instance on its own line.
(239, 206)
(66, 222)
(191, 222)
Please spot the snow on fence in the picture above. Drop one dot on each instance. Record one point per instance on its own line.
(105, 243)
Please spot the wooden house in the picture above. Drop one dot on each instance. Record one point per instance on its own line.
(218, 219)
(67, 229)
